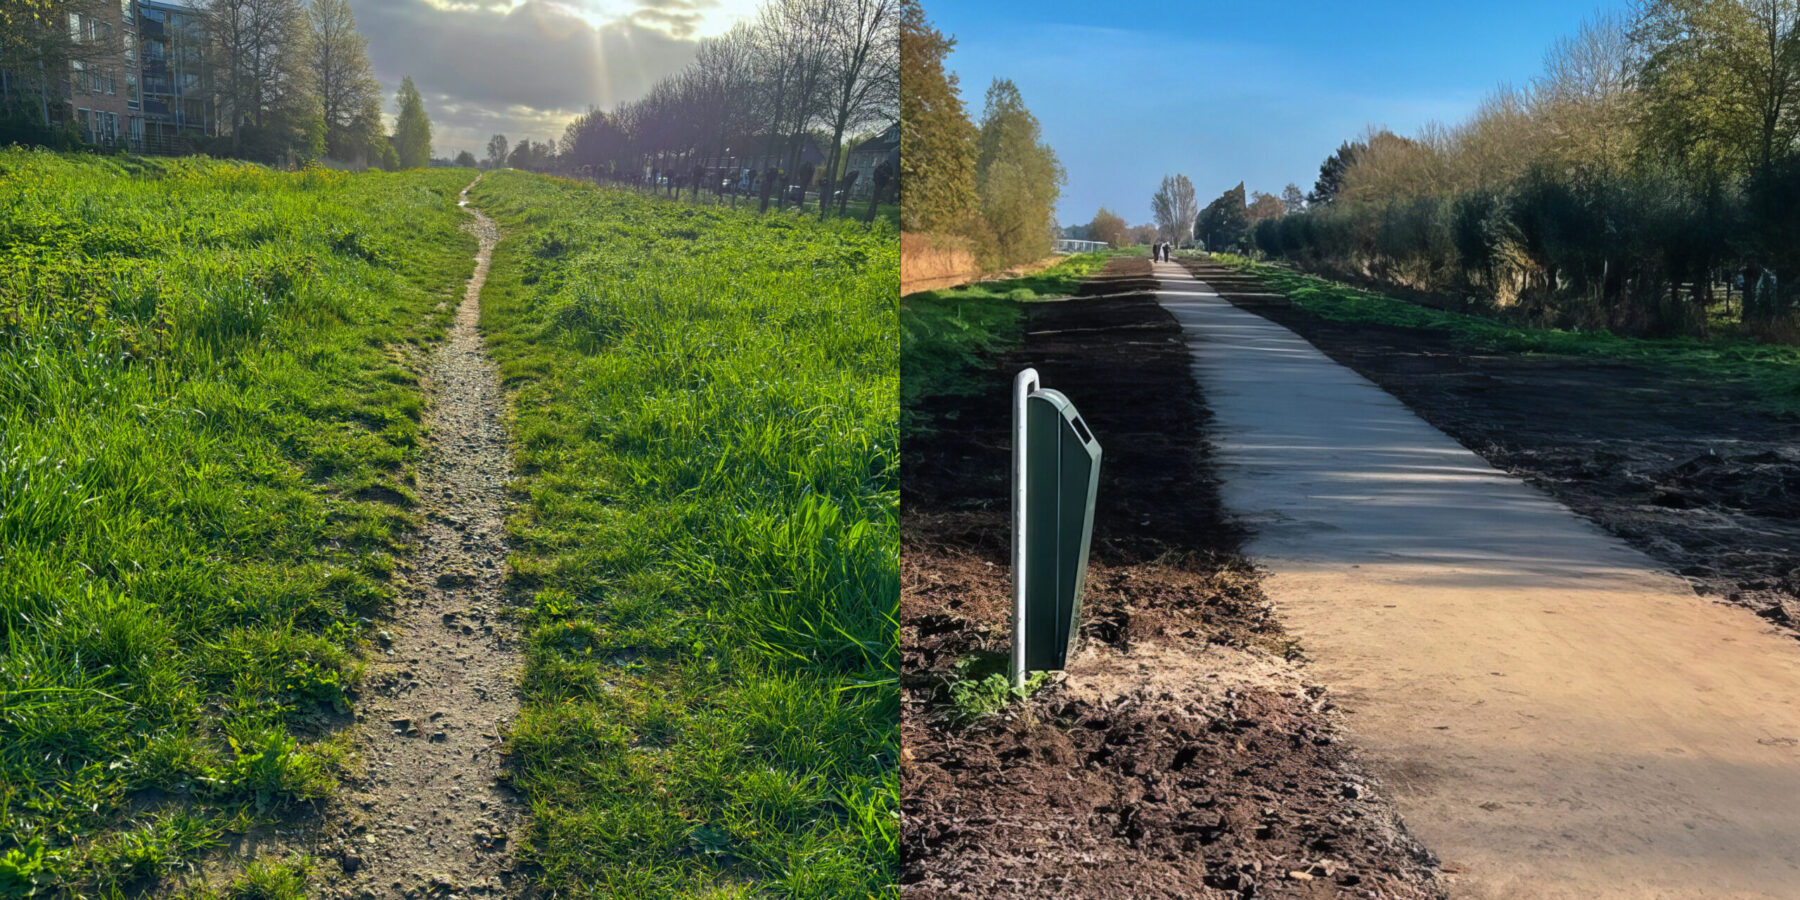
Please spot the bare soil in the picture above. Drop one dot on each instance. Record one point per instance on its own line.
(1182, 755)
(433, 815)
(1690, 471)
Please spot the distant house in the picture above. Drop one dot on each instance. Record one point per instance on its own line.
(870, 154)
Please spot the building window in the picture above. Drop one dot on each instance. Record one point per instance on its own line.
(131, 94)
(112, 82)
(137, 130)
(80, 69)
(125, 10)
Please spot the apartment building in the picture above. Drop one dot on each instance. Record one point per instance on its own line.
(102, 89)
(142, 82)
(176, 102)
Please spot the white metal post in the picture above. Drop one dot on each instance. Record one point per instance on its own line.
(1023, 384)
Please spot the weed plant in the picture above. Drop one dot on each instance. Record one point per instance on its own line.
(209, 406)
(705, 550)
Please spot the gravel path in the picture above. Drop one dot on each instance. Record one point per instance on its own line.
(433, 815)
(1555, 714)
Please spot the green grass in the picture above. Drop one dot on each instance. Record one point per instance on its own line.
(945, 334)
(706, 548)
(209, 411)
(1771, 370)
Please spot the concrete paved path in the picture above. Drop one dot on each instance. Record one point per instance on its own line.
(1555, 716)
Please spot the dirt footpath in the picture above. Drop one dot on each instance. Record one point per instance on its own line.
(433, 815)
(1556, 715)
(1183, 756)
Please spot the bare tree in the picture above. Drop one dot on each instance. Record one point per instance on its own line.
(256, 61)
(864, 68)
(1587, 97)
(752, 99)
(797, 35)
(337, 57)
(1175, 208)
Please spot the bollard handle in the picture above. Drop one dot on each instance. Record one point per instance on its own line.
(1023, 384)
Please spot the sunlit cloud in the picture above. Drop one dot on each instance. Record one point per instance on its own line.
(683, 18)
(523, 68)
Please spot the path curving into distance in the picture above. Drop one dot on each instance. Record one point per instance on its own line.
(433, 816)
(1554, 715)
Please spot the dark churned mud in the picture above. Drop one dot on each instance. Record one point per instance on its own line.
(1695, 473)
(433, 815)
(1182, 755)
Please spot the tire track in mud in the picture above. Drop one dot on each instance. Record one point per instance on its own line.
(432, 815)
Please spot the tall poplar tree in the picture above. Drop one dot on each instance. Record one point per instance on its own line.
(412, 128)
(937, 140)
(1017, 176)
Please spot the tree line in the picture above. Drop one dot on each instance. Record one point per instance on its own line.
(992, 184)
(1647, 181)
(750, 99)
(1226, 223)
(289, 80)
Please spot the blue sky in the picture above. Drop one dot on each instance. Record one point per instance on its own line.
(1258, 92)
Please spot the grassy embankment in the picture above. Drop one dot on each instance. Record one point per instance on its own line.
(1772, 370)
(855, 211)
(946, 333)
(210, 407)
(706, 553)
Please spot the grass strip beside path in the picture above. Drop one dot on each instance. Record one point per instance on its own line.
(1771, 370)
(706, 548)
(945, 333)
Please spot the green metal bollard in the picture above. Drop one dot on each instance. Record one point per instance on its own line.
(1056, 476)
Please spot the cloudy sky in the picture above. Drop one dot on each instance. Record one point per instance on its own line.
(522, 68)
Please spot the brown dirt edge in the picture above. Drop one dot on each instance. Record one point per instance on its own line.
(1692, 472)
(938, 282)
(1183, 754)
